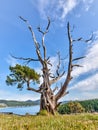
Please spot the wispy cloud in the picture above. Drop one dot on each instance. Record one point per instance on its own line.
(90, 63)
(88, 84)
(87, 4)
(66, 7)
(90, 66)
(59, 9)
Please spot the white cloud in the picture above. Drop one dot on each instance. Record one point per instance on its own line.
(20, 96)
(66, 7)
(87, 4)
(90, 63)
(88, 84)
(89, 95)
(54, 62)
(82, 96)
(57, 9)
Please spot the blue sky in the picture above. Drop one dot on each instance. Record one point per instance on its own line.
(16, 39)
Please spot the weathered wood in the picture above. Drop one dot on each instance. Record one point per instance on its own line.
(49, 100)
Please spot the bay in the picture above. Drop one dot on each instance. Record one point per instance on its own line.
(33, 110)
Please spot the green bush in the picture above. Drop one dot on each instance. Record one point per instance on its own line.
(71, 107)
(43, 113)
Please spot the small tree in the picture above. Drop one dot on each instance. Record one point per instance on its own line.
(49, 99)
(21, 75)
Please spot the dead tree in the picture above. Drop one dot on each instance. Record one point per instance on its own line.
(49, 99)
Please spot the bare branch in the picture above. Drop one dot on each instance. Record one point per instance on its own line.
(79, 39)
(52, 76)
(68, 78)
(83, 40)
(65, 93)
(58, 104)
(58, 66)
(55, 79)
(32, 89)
(58, 74)
(47, 28)
(56, 88)
(28, 60)
(39, 29)
(43, 37)
(77, 66)
(44, 47)
(90, 39)
(37, 46)
(49, 63)
(23, 19)
(63, 88)
(78, 58)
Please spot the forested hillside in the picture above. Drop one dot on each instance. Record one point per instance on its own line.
(79, 106)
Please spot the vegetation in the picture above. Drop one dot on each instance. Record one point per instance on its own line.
(64, 122)
(79, 107)
(23, 74)
(90, 105)
(71, 107)
(12, 103)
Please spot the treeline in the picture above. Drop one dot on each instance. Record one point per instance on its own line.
(12, 103)
(79, 107)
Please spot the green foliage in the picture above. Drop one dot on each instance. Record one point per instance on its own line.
(43, 113)
(90, 105)
(21, 75)
(79, 107)
(71, 107)
(75, 107)
(64, 109)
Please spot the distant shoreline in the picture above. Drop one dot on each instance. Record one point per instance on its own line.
(14, 103)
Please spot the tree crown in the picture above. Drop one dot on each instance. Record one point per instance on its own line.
(22, 74)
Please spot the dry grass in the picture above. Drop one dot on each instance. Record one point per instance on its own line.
(60, 122)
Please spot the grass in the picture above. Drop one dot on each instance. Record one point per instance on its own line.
(59, 122)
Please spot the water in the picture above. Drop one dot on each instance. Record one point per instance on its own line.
(21, 110)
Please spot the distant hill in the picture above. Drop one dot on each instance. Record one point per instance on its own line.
(89, 106)
(11, 103)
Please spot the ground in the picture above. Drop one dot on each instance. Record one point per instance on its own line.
(59, 122)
